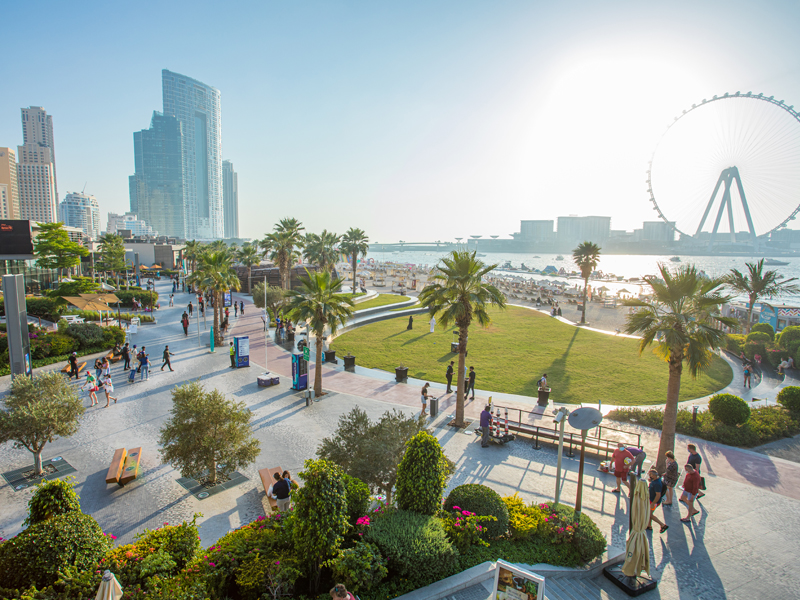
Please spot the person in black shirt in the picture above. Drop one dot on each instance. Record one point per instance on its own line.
(449, 376)
(126, 356)
(281, 489)
(470, 384)
(166, 362)
(73, 365)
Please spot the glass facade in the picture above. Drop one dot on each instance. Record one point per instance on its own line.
(37, 280)
(230, 199)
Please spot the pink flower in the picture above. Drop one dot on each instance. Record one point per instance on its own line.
(211, 564)
(277, 563)
(456, 508)
(165, 523)
(466, 513)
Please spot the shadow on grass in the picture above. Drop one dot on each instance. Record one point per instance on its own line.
(556, 372)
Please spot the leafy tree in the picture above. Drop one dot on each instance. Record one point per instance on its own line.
(207, 430)
(191, 252)
(422, 475)
(215, 273)
(54, 249)
(586, 257)
(79, 285)
(276, 297)
(322, 249)
(371, 451)
(249, 256)
(112, 254)
(458, 295)
(320, 511)
(677, 321)
(282, 246)
(38, 410)
(319, 303)
(354, 243)
(756, 283)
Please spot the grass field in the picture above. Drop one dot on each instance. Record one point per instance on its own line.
(381, 300)
(511, 355)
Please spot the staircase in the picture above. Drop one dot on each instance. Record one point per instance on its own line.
(598, 588)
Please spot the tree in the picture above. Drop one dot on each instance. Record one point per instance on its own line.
(205, 431)
(371, 451)
(276, 296)
(757, 284)
(322, 250)
(39, 410)
(458, 296)
(422, 475)
(249, 256)
(677, 322)
(54, 249)
(354, 243)
(191, 252)
(112, 254)
(282, 247)
(586, 256)
(320, 515)
(319, 303)
(215, 273)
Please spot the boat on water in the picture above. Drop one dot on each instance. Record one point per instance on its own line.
(675, 259)
(775, 263)
(559, 257)
(537, 256)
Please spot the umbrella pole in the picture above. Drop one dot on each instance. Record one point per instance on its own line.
(579, 496)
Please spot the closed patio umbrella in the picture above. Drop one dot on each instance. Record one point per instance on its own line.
(637, 550)
(109, 589)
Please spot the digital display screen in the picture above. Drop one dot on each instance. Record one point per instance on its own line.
(16, 238)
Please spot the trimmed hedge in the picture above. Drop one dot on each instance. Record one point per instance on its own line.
(86, 334)
(52, 498)
(789, 397)
(36, 306)
(484, 502)
(735, 343)
(422, 475)
(357, 493)
(729, 409)
(763, 328)
(144, 297)
(758, 336)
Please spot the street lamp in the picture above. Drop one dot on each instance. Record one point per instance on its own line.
(583, 419)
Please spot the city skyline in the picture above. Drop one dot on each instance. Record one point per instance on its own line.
(336, 113)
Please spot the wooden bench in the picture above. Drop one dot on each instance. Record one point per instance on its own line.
(117, 463)
(80, 368)
(267, 479)
(130, 470)
(112, 358)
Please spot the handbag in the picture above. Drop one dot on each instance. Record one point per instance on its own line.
(703, 483)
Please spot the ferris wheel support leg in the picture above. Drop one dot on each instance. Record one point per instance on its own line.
(708, 206)
(746, 207)
(726, 199)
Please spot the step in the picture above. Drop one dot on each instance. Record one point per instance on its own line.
(477, 591)
(584, 589)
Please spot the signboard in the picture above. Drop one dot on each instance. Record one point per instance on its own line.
(16, 240)
(306, 354)
(513, 583)
(227, 299)
(242, 348)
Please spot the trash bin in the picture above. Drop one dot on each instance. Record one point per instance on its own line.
(434, 402)
(349, 362)
(400, 374)
(544, 396)
(454, 347)
(330, 356)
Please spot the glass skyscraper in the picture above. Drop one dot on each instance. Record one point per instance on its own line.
(230, 199)
(196, 106)
(157, 188)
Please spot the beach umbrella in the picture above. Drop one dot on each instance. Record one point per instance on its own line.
(603, 289)
(637, 550)
(109, 589)
(623, 291)
(86, 303)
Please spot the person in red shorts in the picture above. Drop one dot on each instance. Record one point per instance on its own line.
(622, 464)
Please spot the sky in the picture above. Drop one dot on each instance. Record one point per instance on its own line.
(412, 120)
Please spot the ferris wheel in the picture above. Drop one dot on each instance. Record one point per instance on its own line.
(734, 156)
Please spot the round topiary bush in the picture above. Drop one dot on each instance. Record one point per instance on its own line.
(422, 475)
(729, 409)
(789, 397)
(52, 498)
(35, 556)
(483, 501)
(763, 328)
(788, 335)
(758, 336)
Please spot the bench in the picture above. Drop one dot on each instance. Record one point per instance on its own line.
(112, 358)
(130, 469)
(117, 463)
(65, 370)
(72, 319)
(267, 479)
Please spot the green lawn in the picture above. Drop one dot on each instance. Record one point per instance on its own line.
(520, 345)
(381, 300)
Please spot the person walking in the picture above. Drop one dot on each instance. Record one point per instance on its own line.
(233, 356)
(73, 366)
(696, 460)
(126, 357)
(670, 477)
(191, 308)
(98, 368)
(165, 358)
(656, 496)
(691, 488)
(185, 323)
(449, 375)
(241, 307)
(172, 298)
(470, 384)
(93, 387)
(638, 459)
(410, 323)
(424, 398)
(144, 361)
(235, 309)
(108, 388)
(747, 376)
(486, 420)
(623, 460)
(433, 323)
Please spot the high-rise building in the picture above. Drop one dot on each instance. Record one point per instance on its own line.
(36, 172)
(157, 187)
(197, 108)
(9, 191)
(230, 200)
(81, 211)
(129, 222)
(574, 229)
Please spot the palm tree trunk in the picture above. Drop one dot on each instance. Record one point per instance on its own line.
(249, 280)
(585, 294)
(749, 323)
(355, 261)
(462, 359)
(216, 317)
(318, 368)
(670, 412)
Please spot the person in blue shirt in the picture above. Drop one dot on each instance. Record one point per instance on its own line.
(486, 419)
(656, 496)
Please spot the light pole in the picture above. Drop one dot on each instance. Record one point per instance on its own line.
(561, 419)
(583, 419)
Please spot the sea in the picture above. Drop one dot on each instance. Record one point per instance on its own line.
(626, 266)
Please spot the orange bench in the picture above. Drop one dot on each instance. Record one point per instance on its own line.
(267, 479)
(131, 469)
(117, 464)
(66, 369)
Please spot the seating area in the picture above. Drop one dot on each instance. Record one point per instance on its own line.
(81, 366)
(73, 319)
(124, 466)
(267, 477)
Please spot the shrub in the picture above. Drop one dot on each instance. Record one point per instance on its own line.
(789, 397)
(46, 308)
(793, 347)
(60, 344)
(144, 297)
(587, 539)
(465, 529)
(735, 343)
(357, 493)
(753, 348)
(416, 546)
(764, 328)
(523, 520)
(52, 498)
(729, 409)
(35, 556)
(758, 336)
(359, 568)
(483, 501)
(113, 335)
(422, 475)
(788, 335)
(86, 334)
(274, 572)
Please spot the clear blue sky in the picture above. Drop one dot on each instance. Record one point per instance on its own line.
(411, 120)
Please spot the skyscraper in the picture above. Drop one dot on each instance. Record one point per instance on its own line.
(9, 191)
(230, 199)
(156, 188)
(197, 107)
(82, 211)
(36, 172)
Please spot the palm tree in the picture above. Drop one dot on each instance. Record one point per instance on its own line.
(756, 284)
(355, 243)
(191, 252)
(215, 273)
(458, 296)
(322, 249)
(586, 256)
(249, 256)
(282, 246)
(677, 320)
(320, 303)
